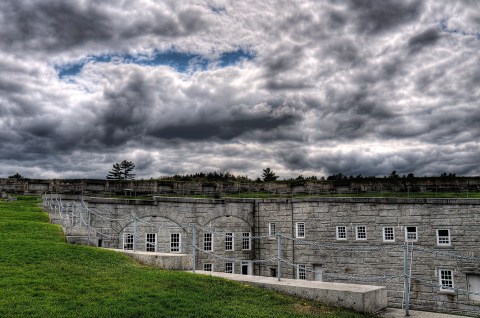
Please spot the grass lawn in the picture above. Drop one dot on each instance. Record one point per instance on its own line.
(42, 276)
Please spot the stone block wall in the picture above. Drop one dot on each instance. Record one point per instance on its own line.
(371, 260)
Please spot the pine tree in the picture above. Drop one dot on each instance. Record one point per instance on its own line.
(268, 175)
(122, 171)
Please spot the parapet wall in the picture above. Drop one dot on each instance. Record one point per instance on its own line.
(142, 187)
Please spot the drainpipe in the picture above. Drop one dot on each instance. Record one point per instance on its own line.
(293, 241)
(256, 227)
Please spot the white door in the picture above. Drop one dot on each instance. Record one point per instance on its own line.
(317, 269)
(474, 286)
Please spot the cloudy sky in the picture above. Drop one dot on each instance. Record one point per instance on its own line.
(304, 87)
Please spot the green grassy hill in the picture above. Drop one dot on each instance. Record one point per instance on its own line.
(42, 276)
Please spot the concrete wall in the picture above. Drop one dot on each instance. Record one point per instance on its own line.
(350, 260)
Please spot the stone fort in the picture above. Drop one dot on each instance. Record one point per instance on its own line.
(350, 240)
(331, 239)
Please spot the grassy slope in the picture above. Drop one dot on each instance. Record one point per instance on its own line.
(42, 276)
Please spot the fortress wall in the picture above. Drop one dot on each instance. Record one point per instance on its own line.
(350, 260)
(151, 187)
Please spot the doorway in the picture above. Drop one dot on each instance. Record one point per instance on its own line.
(318, 273)
(247, 268)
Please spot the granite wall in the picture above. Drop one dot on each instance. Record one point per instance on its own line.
(355, 259)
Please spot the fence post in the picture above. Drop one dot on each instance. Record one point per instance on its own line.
(73, 214)
(406, 287)
(279, 257)
(88, 225)
(194, 247)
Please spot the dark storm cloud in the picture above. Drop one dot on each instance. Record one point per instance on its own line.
(424, 39)
(61, 25)
(376, 16)
(223, 129)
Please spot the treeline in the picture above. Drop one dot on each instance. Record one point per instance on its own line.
(214, 176)
(270, 176)
(393, 175)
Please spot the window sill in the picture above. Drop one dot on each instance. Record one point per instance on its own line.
(447, 292)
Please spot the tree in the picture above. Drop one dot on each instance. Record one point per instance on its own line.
(122, 171)
(394, 174)
(268, 175)
(17, 176)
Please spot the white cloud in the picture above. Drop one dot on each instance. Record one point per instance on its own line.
(346, 87)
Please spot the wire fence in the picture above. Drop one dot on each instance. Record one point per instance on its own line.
(398, 280)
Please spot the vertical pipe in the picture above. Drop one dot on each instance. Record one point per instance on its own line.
(134, 233)
(194, 246)
(279, 257)
(406, 286)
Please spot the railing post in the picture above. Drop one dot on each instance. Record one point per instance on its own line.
(88, 225)
(406, 285)
(194, 247)
(279, 257)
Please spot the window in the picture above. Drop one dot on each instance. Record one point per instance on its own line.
(341, 232)
(443, 237)
(300, 230)
(128, 241)
(411, 234)
(208, 267)
(446, 279)
(389, 234)
(246, 241)
(301, 272)
(229, 267)
(228, 241)
(361, 232)
(207, 241)
(175, 242)
(151, 242)
(271, 229)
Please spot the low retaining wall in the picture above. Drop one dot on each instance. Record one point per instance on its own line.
(161, 260)
(361, 298)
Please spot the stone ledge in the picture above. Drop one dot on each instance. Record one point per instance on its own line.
(361, 298)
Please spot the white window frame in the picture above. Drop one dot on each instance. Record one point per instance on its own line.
(443, 240)
(271, 230)
(246, 241)
(410, 239)
(149, 244)
(208, 267)
(384, 231)
(208, 241)
(300, 230)
(301, 271)
(175, 247)
(446, 280)
(229, 242)
(357, 232)
(128, 241)
(230, 264)
(338, 232)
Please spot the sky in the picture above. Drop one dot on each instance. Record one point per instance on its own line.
(303, 87)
